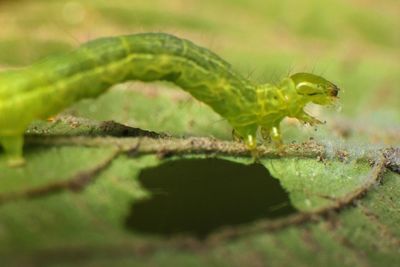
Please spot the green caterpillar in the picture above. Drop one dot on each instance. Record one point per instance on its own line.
(45, 88)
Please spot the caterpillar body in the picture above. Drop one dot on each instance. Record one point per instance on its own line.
(47, 87)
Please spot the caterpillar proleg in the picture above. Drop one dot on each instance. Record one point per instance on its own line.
(47, 87)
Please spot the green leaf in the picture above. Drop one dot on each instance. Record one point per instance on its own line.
(314, 185)
(123, 180)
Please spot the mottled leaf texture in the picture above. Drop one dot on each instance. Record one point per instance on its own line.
(144, 175)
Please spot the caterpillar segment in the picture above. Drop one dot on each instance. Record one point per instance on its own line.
(45, 88)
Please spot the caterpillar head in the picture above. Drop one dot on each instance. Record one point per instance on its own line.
(315, 88)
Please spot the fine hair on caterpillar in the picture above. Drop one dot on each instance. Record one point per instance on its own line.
(47, 87)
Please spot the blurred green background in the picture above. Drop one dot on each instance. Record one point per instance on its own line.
(354, 43)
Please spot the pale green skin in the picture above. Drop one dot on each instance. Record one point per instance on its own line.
(46, 88)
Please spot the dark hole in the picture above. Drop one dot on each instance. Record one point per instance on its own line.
(197, 196)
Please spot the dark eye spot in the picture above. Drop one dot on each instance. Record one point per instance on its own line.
(335, 91)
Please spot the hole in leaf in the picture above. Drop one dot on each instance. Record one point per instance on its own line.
(197, 196)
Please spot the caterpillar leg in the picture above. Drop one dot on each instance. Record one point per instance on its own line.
(276, 136)
(306, 118)
(236, 136)
(249, 136)
(12, 146)
(273, 134)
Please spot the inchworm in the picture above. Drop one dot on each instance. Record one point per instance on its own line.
(46, 88)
